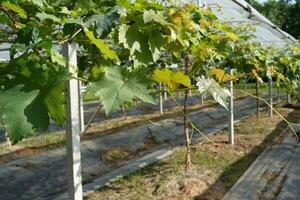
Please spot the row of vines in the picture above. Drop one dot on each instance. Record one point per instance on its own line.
(124, 49)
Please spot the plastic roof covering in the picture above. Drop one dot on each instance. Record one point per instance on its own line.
(235, 11)
(239, 11)
(4, 55)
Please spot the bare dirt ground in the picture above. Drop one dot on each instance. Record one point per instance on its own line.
(216, 166)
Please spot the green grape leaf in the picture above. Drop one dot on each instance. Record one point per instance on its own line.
(44, 16)
(151, 15)
(136, 42)
(13, 103)
(49, 101)
(58, 58)
(103, 23)
(107, 52)
(16, 8)
(55, 103)
(117, 87)
(156, 42)
(85, 5)
(38, 3)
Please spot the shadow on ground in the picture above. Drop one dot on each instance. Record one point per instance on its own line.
(233, 172)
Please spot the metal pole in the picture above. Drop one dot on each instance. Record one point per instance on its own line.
(201, 100)
(271, 97)
(231, 114)
(73, 125)
(161, 107)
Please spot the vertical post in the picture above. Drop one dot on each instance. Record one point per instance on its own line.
(6, 139)
(165, 93)
(245, 84)
(257, 96)
(271, 97)
(201, 100)
(81, 113)
(231, 116)
(190, 92)
(288, 96)
(73, 125)
(161, 108)
(277, 93)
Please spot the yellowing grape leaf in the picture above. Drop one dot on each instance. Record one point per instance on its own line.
(171, 79)
(280, 77)
(257, 76)
(179, 77)
(221, 75)
(163, 76)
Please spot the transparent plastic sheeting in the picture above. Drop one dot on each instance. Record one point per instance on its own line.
(4, 55)
(240, 12)
(235, 11)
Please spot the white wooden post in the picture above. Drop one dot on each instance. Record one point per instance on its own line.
(201, 100)
(73, 125)
(271, 97)
(288, 95)
(165, 93)
(81, 113)
(161, 108)
(245, 84)
(231, 114)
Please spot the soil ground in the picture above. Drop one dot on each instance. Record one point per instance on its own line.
(216, 166)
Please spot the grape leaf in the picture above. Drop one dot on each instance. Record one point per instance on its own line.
(44, 16)
(54, 102)
(117, 87)
(136, 42)
(103, 23)
(58, 58)
(16, 8)
(151, 15)
(221, 75)
(13, 103)
(156, 42)
(180, 78)
(172, 79)
(163, 76)
(49, 100)
(107, 52)
(210, 86)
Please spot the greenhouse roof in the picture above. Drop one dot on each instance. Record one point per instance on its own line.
(239, 11)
